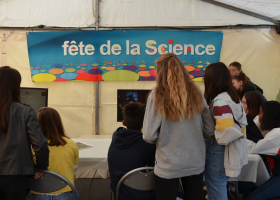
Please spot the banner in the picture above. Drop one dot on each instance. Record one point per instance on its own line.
(117, 55)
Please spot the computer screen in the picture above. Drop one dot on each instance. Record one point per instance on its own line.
(130, 96)
(35, 97)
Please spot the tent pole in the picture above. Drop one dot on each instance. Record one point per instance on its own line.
(246, 12)
(96, 82)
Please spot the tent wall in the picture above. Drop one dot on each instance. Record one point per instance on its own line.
(257, 50)
(74, 100)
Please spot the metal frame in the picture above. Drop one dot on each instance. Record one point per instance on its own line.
(234, 184)
(63, 179)
(128, 174)
(97, 82)
(246, 12)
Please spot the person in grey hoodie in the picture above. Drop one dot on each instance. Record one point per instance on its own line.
(227, 152)
(177, 119)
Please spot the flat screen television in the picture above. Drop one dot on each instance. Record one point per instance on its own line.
(130, 96)
(35, 97)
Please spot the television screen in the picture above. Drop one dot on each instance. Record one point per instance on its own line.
(130, 96)
(35, 97)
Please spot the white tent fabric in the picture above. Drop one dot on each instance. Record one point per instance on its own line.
(131, 13)
(62, 13)
(269, 8)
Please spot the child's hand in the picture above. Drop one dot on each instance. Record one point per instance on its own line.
(38, 175)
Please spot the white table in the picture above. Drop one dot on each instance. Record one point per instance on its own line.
(255, 171)
(95, 158)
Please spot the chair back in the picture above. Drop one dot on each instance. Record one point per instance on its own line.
(49, 182)
(138, 180)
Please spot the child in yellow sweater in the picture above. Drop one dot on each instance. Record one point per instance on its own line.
(63, 157)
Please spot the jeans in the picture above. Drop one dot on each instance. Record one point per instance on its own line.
(215, 178)
(63, 196)
(270, 189)
(167, 189)
(13, 187)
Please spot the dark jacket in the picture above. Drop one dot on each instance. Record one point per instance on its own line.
(15, 145)
(252, 87)
(129, 151)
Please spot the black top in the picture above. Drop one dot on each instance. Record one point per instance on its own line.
(252, 87)
(252, 131)
(127, 152)
(15, 145)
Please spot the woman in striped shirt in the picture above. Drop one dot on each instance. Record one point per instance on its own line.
(63, 157)
(227, 152)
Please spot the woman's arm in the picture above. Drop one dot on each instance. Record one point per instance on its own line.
(268, 146)
(38, 141)
(225, 131)
(152, 121)
(208, 124)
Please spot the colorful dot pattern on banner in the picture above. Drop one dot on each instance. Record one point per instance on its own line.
(119, 70)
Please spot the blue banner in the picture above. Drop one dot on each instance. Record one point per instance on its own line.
(117, 55)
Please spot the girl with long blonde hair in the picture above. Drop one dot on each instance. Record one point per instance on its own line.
(178, 120)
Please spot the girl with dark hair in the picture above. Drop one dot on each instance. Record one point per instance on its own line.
(178, 120)
(251, 102)
(227, 152)
(19, 128)
(64, 154)
(242, 88)
(235, 70)
(269, 121)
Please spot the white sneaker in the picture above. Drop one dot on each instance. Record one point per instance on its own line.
(205, 188)
(206, 197)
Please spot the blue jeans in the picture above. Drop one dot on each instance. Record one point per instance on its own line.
(63, 196)
(270, 189)
(214, 174)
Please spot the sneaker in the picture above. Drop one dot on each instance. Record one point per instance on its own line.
(205, 188)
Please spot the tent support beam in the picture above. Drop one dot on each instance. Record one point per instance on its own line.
(96, 82)
(246, 12)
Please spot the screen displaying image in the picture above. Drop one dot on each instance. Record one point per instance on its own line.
(130, 96)
(35, 97)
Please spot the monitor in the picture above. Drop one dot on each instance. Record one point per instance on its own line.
(130, 96)
(35, 97)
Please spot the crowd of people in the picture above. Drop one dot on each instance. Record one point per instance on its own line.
(184, 134)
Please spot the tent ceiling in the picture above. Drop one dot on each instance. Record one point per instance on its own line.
(167, 13)
(30, 13)
(269, 8)
(133, 13)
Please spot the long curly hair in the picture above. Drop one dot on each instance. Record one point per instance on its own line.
(176, 95)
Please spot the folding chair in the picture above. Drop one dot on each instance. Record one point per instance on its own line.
(49, 182)
(138, 180)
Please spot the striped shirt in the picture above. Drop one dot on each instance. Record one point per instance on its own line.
(226, 123)
(230, 119)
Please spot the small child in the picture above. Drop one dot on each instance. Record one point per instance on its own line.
(129, 151)
(63, 157)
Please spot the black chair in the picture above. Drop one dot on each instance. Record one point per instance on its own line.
(138, 180)
(49, 182)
